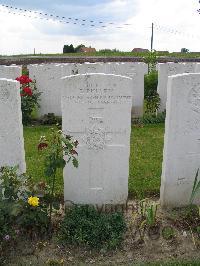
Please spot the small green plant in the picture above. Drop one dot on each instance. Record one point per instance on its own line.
(151, 59)
(19, 210)
(168, 232)
(151, 213)
(149, 118)
(34, 218)
(195, 188)
(84, 225)
(13, 186)
(59, 149)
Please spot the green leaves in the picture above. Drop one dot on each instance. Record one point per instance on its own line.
(196, 187)
(151, 214)
(59, 150)
(12, 185)
(75, 162)
(84, 225)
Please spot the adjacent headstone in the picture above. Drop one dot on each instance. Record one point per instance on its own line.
(11, 129)
(96, 110)
(164, 71)
(10, 72)
(181, 155)
(48, 82)
(137, 71)
(168, 69)
(132, 70)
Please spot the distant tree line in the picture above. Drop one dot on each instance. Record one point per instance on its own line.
(71, 49)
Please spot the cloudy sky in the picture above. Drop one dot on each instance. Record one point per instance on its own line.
(177, 25)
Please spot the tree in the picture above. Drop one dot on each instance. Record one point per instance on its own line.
(78, 47)
(184, 50)
(68, 49)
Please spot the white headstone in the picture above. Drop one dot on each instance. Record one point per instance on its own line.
(181, 155)
(11, 129)
(10, 72)
(136, 71)
(132, 70)
(96, 110)
(168, 69)
(164, 71)
(48, 81)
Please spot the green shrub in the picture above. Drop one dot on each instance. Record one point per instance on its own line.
(16, 210)
(150, 92)
(84, 225)
(51, 119)
(153, 118)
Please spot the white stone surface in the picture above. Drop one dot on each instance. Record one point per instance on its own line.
(189, 67)
(11, 129)
(197, 68)
(96, 111)
(137, 72)
(132, 70)
(164, 71)
(10, 72)
(168, 69)
(181, 155)
(48, 81)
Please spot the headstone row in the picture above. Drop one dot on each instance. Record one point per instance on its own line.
(48, 80)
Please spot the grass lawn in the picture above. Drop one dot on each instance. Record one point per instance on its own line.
(145, 159)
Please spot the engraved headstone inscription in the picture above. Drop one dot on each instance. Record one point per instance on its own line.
(96, 110)
(181, 155)
(11, 130)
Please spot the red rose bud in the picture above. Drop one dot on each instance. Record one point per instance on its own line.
(73, 152)
(42, 146)
(28, 91)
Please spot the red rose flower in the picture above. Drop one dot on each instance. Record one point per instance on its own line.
(42, 146)
(28, 91)
(24, 79)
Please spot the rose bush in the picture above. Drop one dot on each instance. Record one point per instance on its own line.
(29, 97)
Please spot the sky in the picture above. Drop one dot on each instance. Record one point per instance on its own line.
(176, 25)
